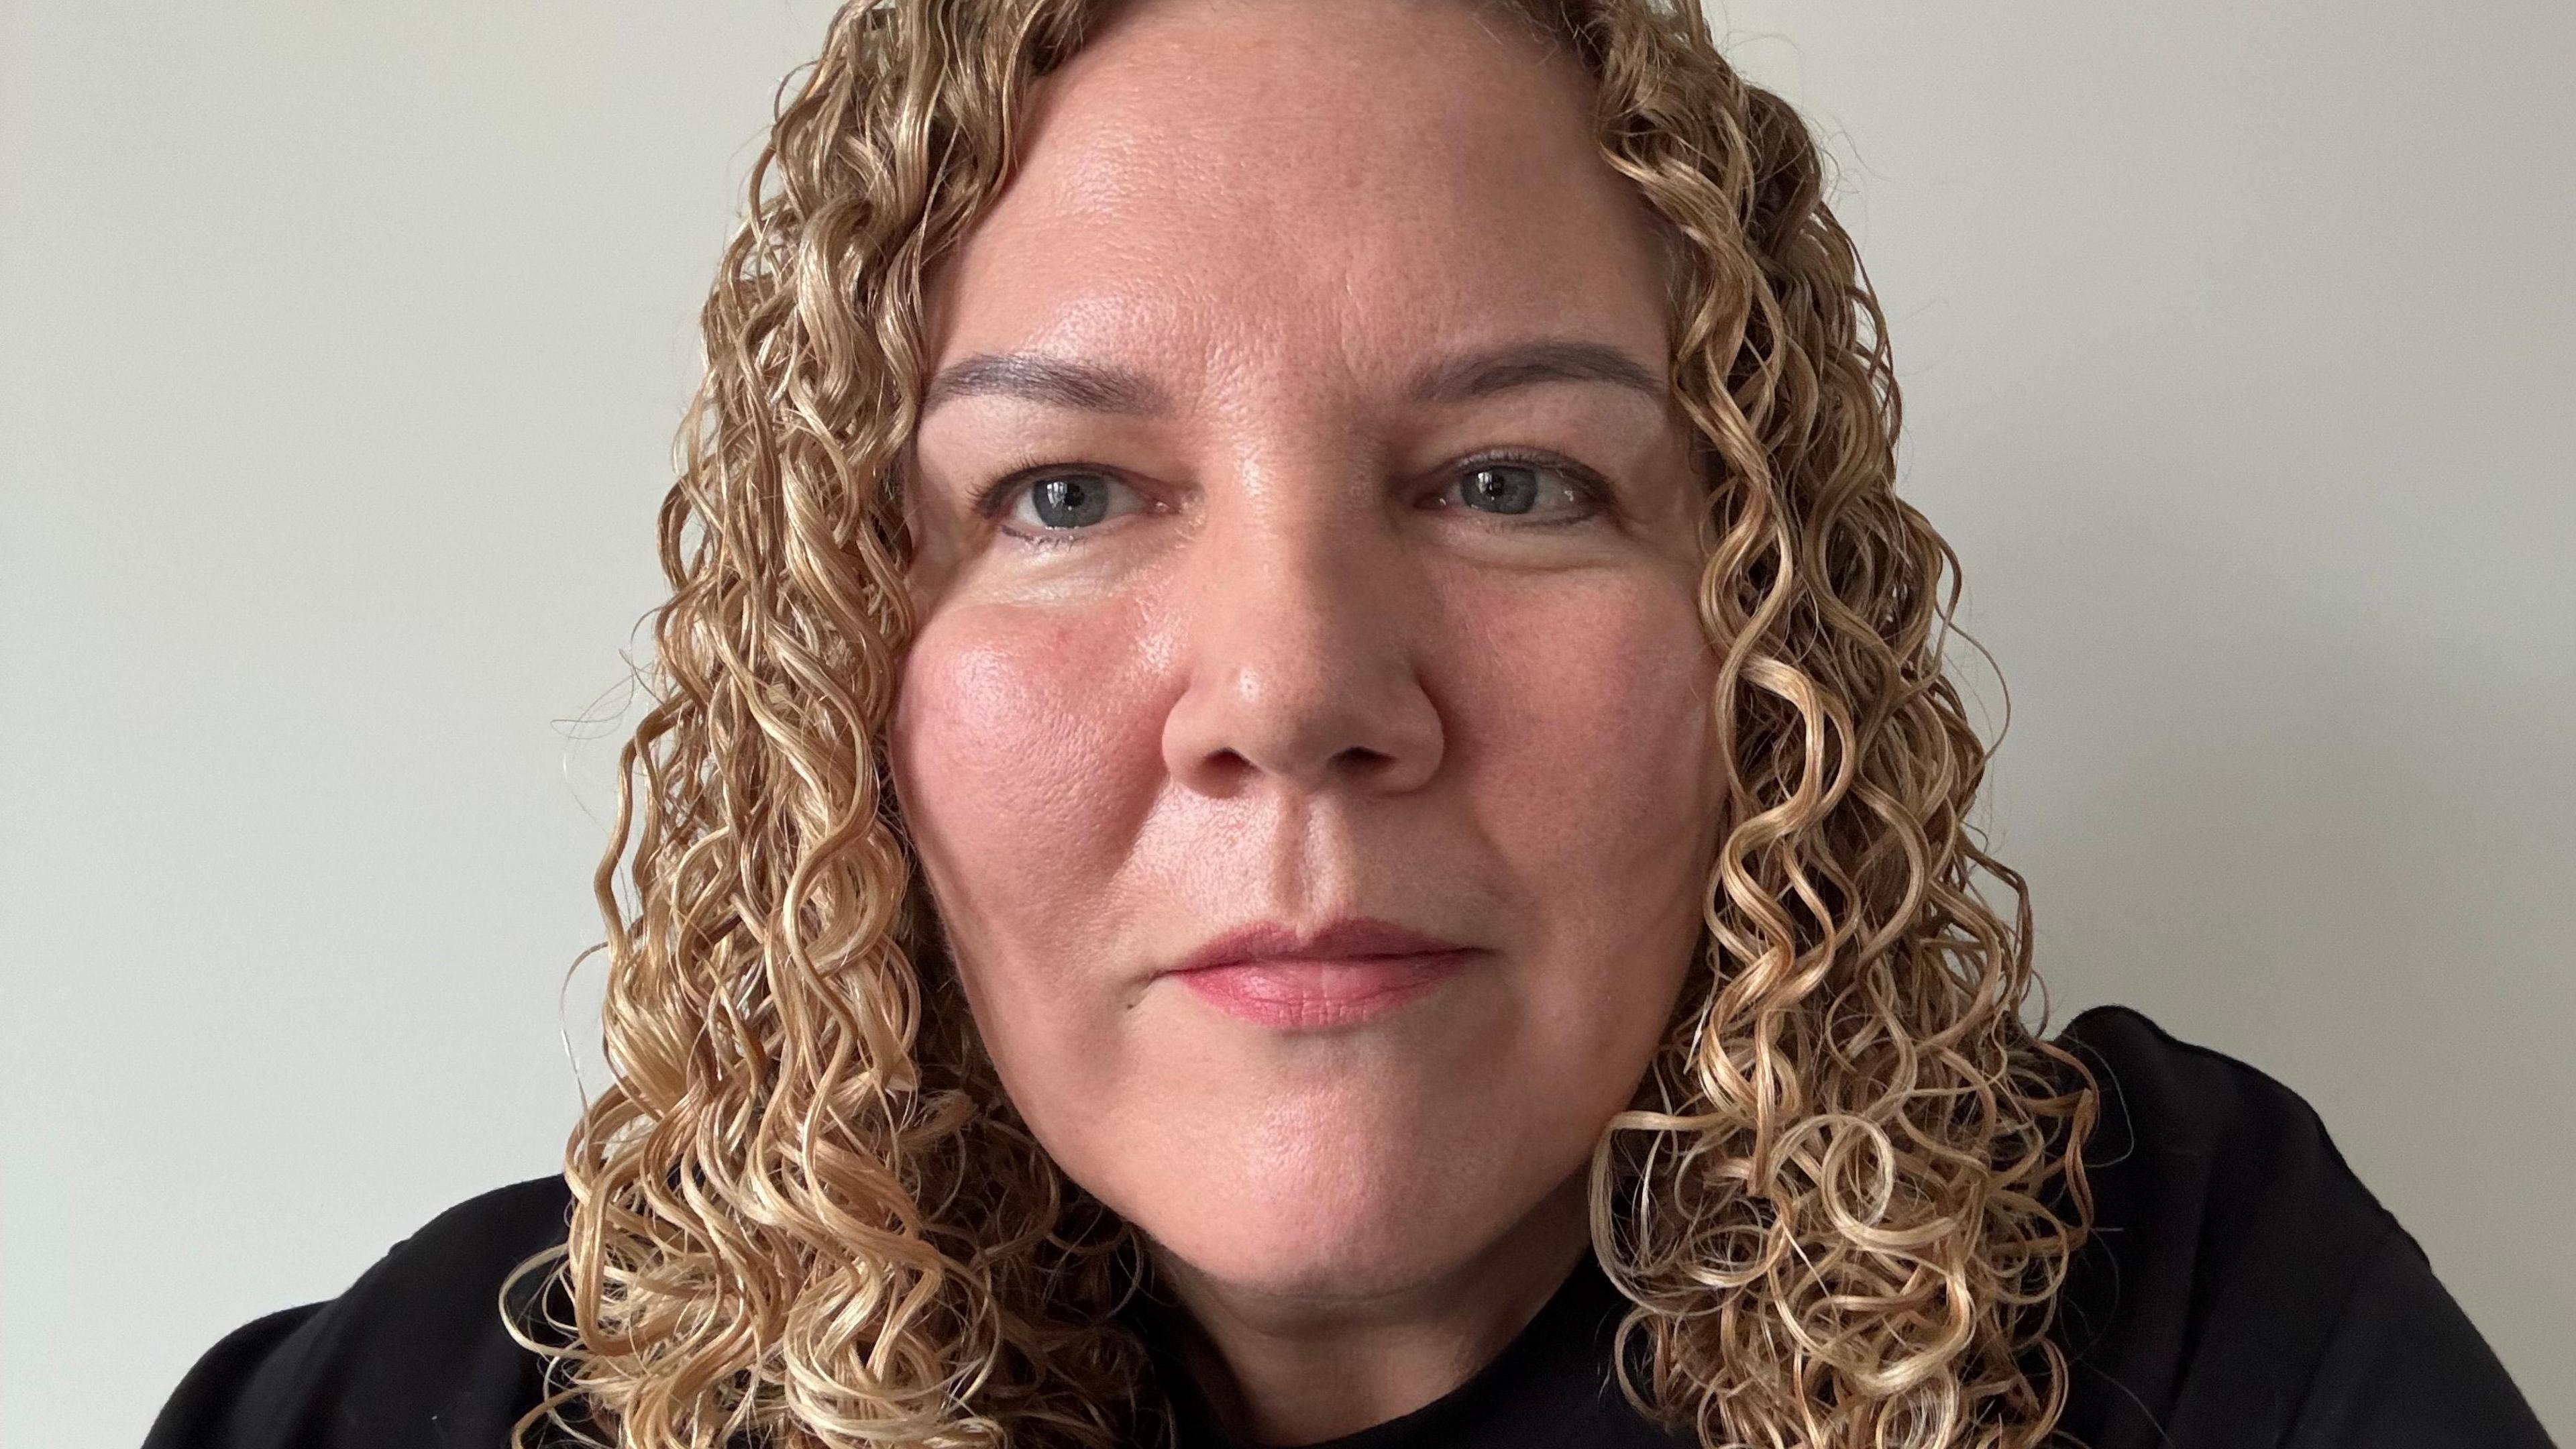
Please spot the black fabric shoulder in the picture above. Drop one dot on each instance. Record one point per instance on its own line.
(2241, 1288)
(2406, 1367)
(415, 1353)
(2233, 1252)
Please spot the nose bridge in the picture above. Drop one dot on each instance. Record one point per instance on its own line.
(1300, 664)
(1292, 600)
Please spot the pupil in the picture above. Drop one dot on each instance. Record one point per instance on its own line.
(1503, 488)
(1071, 502)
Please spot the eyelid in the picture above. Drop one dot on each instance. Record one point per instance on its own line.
(990, 500)
(1596, 492)
(994, 499)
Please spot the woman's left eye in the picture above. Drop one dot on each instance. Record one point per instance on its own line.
(1515, 488)
(1049, 507)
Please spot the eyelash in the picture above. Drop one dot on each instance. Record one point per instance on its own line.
(1591, 488)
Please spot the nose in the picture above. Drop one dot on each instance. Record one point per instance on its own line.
(1302, 661)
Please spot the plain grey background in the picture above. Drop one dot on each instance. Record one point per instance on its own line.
(343, 344)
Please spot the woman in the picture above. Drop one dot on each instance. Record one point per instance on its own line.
(1304, 794)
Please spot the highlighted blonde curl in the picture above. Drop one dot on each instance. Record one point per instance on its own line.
(806, 1216)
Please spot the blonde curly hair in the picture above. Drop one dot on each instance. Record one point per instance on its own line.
(806, 1215)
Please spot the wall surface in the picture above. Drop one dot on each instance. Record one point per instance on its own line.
(340, 350)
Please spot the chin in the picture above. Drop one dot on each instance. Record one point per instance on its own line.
(1312, 1256)
(1355, 1224)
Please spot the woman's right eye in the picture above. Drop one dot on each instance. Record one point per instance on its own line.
(1063, 503)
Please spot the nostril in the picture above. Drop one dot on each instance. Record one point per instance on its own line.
(1273, 707)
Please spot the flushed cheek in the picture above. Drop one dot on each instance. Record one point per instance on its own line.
(1590, 714)
(1582, 711)
(1025, 761)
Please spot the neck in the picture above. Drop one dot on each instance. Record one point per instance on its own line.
(1281, 1369)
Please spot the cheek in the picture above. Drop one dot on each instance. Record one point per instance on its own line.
(1588, 714)
(1024, 758)
(1584, 713)
(1580, 714)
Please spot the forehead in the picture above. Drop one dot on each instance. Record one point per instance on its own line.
(1214, 190)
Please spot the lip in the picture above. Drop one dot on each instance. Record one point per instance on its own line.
(1346, 972)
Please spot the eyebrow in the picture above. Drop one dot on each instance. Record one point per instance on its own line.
(1083, 386)
(1102, 388)
(1524, 364)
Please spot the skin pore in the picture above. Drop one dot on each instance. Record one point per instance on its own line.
(1335, 557)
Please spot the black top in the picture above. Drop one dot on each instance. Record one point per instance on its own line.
(2242, 1288)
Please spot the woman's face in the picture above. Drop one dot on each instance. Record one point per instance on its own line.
(1307, 541)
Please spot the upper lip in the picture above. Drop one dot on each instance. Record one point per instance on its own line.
(1336, 940)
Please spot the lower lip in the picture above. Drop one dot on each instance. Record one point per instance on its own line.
(1322, 993)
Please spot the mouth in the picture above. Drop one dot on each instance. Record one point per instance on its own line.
(1349, 972)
